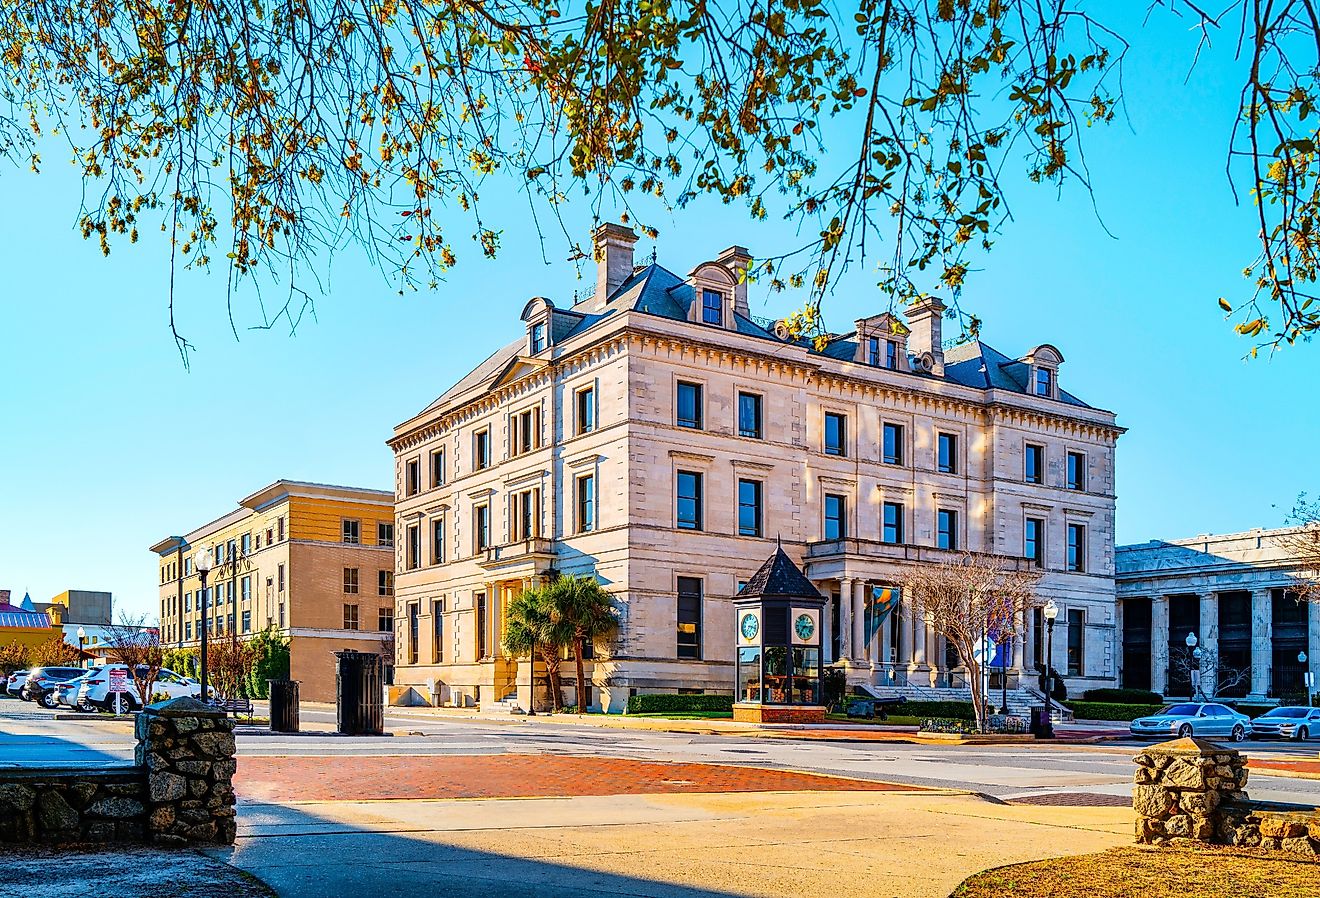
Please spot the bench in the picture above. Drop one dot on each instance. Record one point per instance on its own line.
(236, 706)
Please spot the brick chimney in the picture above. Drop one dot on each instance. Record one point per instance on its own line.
(925, 319)
(612, 245)
(737, 260)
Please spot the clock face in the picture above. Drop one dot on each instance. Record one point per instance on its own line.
(804, 626)
(749, 626)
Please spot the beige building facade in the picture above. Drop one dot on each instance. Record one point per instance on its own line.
(313, 561)
(658, 436)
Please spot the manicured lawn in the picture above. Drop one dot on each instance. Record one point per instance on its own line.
(894, 720)
(1154, 873)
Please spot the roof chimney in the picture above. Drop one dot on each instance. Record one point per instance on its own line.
(737, 260)
(612, 245)
(925, 318)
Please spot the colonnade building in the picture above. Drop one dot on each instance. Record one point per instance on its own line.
(658, 436)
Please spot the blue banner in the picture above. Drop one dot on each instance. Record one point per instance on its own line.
(881, 601)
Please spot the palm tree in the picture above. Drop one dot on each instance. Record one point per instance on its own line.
(581, 611)
(527, 629)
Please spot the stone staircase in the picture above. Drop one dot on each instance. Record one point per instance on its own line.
(507, 705)
(1020, 700)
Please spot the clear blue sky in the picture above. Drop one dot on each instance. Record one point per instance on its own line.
(108, 444)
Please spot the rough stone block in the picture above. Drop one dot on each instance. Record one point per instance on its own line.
(214, 745)
(198, 788)
(54, 813)
(1179, 825)
(118, 808)
(162, 818)
(1183, 775)
(1301, 845)
(1277, 827)
(99, 831)
(1199, 804)
(195, 767)
(1151, 801)
(18, 797)
(224, 770)
(185, 725)
(167, 786)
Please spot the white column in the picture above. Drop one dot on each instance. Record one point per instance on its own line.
(1159, 643)
(904, 632)
(1313, 643)
(1262, 642)
(827, 628)
(860, 648)
(845, 619)
(1209, 643)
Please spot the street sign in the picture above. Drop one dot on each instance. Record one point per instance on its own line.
(118, 680)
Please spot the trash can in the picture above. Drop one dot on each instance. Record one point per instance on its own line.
(283, 706)
(359, 694)
(1040, 724)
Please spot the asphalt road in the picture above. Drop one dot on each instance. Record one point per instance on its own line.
(30, 735)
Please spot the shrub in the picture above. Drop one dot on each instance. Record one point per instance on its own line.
(948, 725)
(1123, 696)
(958, 710)
(835, 685)
(664, 703)
(1111, 710)
(1250, 710)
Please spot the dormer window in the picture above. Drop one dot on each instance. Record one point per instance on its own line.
(891, 354)
(1044, 382)
(873, 351)
(712, 307)
(538, 337)
(1043, 371)
(881, 342)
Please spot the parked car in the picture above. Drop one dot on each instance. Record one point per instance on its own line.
(66, 693)
(1194, 719)
(16, 681)
(40, 685)
(95, 690)
(1287, 722)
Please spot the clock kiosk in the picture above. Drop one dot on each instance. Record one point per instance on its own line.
(778, 620)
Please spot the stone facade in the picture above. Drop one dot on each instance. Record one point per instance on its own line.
(656, 382)
(1233, 592)
(1194, 791)
(179, 792)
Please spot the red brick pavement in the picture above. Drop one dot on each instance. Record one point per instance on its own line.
(1306, 769)
(512, 776)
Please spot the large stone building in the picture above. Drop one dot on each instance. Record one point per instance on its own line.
(315, 562)
(658, 436)
(1236, 594)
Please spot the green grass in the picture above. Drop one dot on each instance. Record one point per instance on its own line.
(895, 720)
(688, 715)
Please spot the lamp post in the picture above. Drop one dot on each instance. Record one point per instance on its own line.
(82, 640)
(204, 560)
(1050, 613)
(1307, 679)
(1195, 673)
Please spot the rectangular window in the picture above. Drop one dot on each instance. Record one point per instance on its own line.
(481, 528)
(384, 619)
(1076, 641)
(280, 572)
(749, 508)
(438, 541)
(187, 601)
(1044, 382)
(1033, 541)
(586, 503)
(892, 450)
(525, 432)
(350, 617)
(479, 601)
(245, 543)
(437, 468)
(524, 515)
(187, 629)
(836, 434)
(689, 500)
(749, 415)
(412, 477)
(437, 631)
(689, 618)
(414, 557)
(585, 404)
(187, 567)
(538, 337)
(891, 354)
(689, 405)
(1077, 548)
(245, 588)
(1077, 471)
(352, 531)
(414, 612)
(948, 453)
(836, 516)
(385, 535)
(1033, 463)
(351, 581)
(481, 450)
(384, 583)
(892, 525)
(219, 553)
(712, 307)
(946, 536)
(281, 612)
(873, 351)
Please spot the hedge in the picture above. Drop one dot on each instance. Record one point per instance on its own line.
(1123, 696)
(957, 710)
(663, 703)
(1111, 710)
(957, 725)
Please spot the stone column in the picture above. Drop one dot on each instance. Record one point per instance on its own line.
(1209, 643)
(904, 611)
(845, 619)
(1029, 658)
(827, 625)
(919, 670)
(187, 749)
(1313, 643)
(1159, 643)
(1182, 788)
(860, 647)
(1262, 642)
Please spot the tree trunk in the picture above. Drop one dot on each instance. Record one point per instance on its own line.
(578, 645)
(551, 660)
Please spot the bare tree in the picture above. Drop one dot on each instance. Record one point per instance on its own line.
(1208, 672)
(136, 646)
(971, 600)
(1302, 543)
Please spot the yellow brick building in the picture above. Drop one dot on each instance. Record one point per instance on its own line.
(311, 560)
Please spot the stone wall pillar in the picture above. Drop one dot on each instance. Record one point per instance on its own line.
(1181, 787)
(1262, 642)
(1159, 643)
(904, 610)
(187, 750)
(1313, 642)
(845, 619)
(1209, 643)
(861, 650)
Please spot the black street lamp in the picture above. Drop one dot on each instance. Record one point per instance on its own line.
(1050, 613)
(204, 560)
(1308, 680)
(82, 642)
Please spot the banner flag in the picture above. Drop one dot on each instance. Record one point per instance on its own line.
(881, 601)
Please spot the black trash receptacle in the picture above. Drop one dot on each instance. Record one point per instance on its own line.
(1041, 726)
(283, 706)
(360, 694)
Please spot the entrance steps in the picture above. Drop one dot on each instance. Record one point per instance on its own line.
(1020, 700)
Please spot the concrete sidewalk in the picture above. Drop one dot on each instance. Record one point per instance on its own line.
(906, 845)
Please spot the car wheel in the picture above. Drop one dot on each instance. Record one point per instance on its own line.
(1184, 731)
(1302, 734)
(1239, 733)
(48, 701)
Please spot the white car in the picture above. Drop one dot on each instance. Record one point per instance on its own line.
(95, 690)
(16, 681)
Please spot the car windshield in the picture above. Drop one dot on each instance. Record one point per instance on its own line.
(1287, 712)
(1180, 710)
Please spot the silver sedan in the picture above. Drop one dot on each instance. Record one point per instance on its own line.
(1193, 719)
(1288, 722)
